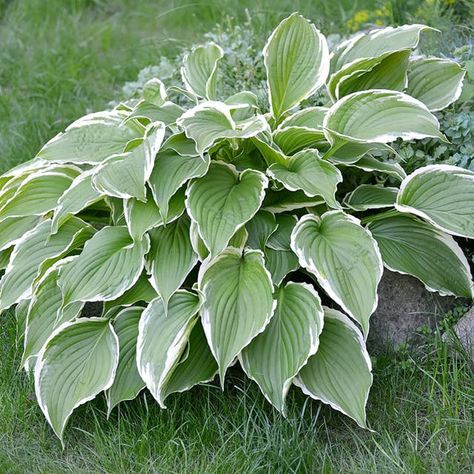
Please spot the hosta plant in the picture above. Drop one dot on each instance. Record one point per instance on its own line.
(220, 233)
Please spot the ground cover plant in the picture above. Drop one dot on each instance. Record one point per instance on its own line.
(243, 138)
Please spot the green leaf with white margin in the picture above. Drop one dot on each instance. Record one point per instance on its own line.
(12, 229)
(282, 201)
(140, 291)
(351, 152)
(281, 237)
(443, 195)
(370, 164)
(275, 356)
(238, 302)
(141, 216)
(211, 120)
(171, 257)
(345, 259)
(162, 338)
(340, 373)
(435, 82)
(37, 195)
(368, 196)
(223, 201)
(309, 117)
(109, 265)
(91, 139)
(270, 151)
(199, 70)
(36, 251)
(307, 172)
(45, 314)
(380, 116)
(199, 365)
(410, 246)
(260, 228)
(388, 71)
(293, 139)
(296, 59)
(127, 382)
(376, 43)
(77, 363)
(172, 171)
(124, 175)
(154, 91)
(77, 197)
(168, 113)
(181, 144)
(279, 263)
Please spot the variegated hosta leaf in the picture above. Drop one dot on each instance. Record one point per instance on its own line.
(171, 257)
(435, 82)
(259, 228)
(376, 43)
(45, 314)
(296, 59)
(181, 144)
(339, 374)
(269, 150)
(197, 365)
(141, 291)
(127, 382)
(243, 104)
(223, 201)
(367, 196)
(77, 197)
(12, 229)
(370, 164)
(143, 216)
(309, 117)
(34, 253)
(77, 363)
(154, 91)
(125, 175)
(37, 195)
(162, 338)
(281, 237)
(168, 113)
(293, 139)
(276, 355)
(443, 195)
(307, 172)
(172, 171)
(380, 116)
(351, 152)
(109, 264)
(238, 302)
(91, 139)
(409, 245)
(209, 121)
(282, 201)
(199, 70)
(344, 258)
(388, 71)
(279, 263)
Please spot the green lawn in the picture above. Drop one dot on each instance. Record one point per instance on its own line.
(61, 59)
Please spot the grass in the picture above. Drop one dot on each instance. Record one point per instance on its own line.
(59, 60)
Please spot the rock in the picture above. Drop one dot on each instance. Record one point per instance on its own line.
(404, 306)
(464, 329)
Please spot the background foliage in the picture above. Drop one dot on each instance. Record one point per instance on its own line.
(60, 60)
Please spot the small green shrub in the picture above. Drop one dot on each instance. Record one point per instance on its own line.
(210, 228)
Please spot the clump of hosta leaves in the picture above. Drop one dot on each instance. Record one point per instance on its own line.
(222, 233)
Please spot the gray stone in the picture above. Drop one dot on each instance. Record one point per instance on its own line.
(404, 306)
(464, 329)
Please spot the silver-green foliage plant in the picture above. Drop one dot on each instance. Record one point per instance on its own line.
(212, 232)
